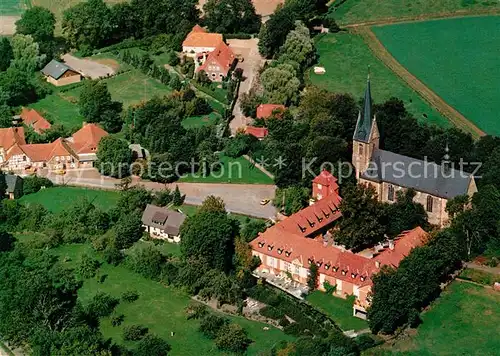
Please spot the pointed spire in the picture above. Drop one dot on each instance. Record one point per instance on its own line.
(364, 124)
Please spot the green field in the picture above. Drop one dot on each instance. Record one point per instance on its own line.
(234, 170)
(60, 108)
(356, 11)
(338, 309)
(160, 308)
(57, 199)
(346, 58)
(465, 320)
(12, 7)
(200, 121)
(456, 58)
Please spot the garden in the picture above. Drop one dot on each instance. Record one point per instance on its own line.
(460, 66)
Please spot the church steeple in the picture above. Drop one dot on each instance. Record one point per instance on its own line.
(364, 123)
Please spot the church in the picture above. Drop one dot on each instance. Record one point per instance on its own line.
(390, 172)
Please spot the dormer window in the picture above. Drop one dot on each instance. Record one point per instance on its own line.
(261, 244)
(319, 263)
(362, 278)
(327, 266)
(280, 251)
(319, 219)
(270, 247)
(353, 275)
(287, 253)
(335, 269)
(344, 272)
(302, 229)
(311, 224)
(327, 215)
(310, 261)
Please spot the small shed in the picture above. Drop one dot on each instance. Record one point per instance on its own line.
(14, 185)
(59, 73)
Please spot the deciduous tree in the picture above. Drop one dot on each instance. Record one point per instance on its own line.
(113, 157)
(38, 22)
(231, 16)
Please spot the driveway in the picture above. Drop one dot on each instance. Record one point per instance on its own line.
(249, 50)
(239, 198)
(87, 67)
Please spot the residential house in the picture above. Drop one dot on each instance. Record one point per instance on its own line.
(31, 118)
(14, 186)
(84, 143)
(258, 132)
(218, 63)
(390, 172)
(265, 111)
(199, 41)
(8, 138)
(162, 223)
(59, 74)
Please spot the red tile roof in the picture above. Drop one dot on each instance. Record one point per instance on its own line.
(325, 178)
(265, 111)
(10, 136)
(259, 132)
(199, 37)
(41, 152)
(221, 55)
(87, 138)
(32, 118)
(403, 244)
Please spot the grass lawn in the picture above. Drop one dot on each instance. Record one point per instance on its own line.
(465, 320)
(200, 121)
(56, 199)
(60, 108)
(346, 58)
(161, 309)
(340, 310)
(355, 11)
(12, 7)
(481, 277)
(457, 59)
(233, 170)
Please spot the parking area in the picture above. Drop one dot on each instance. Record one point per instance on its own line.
(88, 68)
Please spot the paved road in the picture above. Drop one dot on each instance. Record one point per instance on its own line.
(239, 198)
(249, 50)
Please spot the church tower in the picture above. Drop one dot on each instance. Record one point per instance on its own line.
(366, 135)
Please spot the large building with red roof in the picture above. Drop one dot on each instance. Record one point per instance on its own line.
(217, 63)
(200, 41)
(287, 249)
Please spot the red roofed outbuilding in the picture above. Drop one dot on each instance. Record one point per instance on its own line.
(258, 132)
(33, 119)
(265, 111)
(324, 185)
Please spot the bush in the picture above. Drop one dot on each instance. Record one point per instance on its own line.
(232, 337)
(239, 36)
(147, 261)
(329, 288)
(364, 342)
(152, 345)
(113, 256)
(117, 320)
(88, 266)
(271, 312)
(239, 145)
(201, 106)
(130, 296)
(134, 332)
(211, 324)
(33, 183)
(102, 304)
(196, 311)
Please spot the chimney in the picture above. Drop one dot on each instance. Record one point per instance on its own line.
(391, 244)
(377, 264)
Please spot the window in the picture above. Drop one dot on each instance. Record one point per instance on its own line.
(24, 158)
(390, 192)
(430, 203)
(288, 267)
(360, 150)
(296, 269)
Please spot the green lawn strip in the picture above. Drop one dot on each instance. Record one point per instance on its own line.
(234, 170)
(460, 66)
(160, 308)
(480, 277)
(356, 11)
(60, 108)
(340, 310)
(463, 321)
(346, 58)
(56, 199)
(201, 120)
(12, 7)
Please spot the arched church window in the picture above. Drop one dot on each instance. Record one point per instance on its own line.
(430, 203)
(390, 192)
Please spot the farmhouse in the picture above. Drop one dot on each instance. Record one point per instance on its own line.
(265, 111)
(162, 223)
(59, 74)
(389, 172)
(84, 143)
(31, 118)
(217, 63)
(8, 138)
(199, 41)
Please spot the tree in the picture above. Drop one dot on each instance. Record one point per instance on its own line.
(177, 198)
(88, 24)
(252, 228)
(363, 220)
(232, 337)
(299, 46)
(281, 85)
(312, 278)
(146, 261)
(128, 230)
(6, 53)
(231, 16)
(88, 266)
(19, 87)
(96, 105)
(213, 204)
(33, 183)
(26, 57)
(113, 157)
(291, 199)
(273, 33)
(102, 304)
(38, 22)
(152, 345)
(134, 332)
(6, 241)
(163, 197)
(210, 235)
(405, 214)
(175, 82)
(212, 324)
